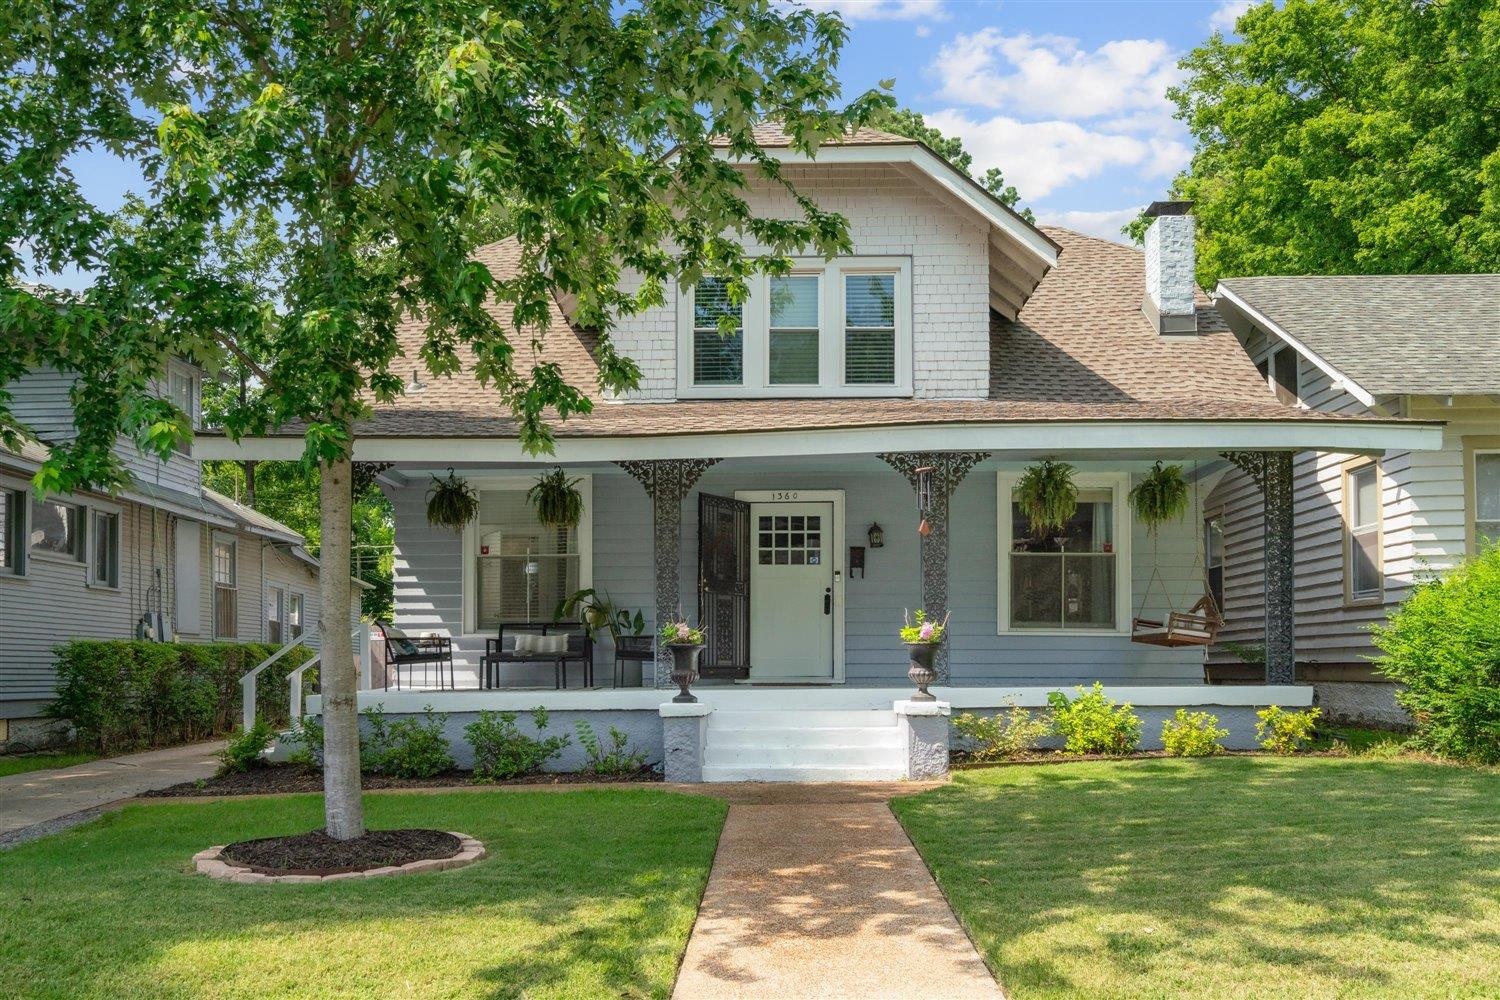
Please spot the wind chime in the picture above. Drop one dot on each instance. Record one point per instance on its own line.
(924, 499)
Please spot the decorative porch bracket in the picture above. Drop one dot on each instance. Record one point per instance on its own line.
(1272, 472)
(667, 482)
(949, 468)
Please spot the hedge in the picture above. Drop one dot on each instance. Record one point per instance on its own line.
(125, 694)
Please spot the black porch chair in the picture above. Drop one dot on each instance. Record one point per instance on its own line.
(402, 650)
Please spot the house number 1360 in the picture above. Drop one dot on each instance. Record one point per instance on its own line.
(784, 495)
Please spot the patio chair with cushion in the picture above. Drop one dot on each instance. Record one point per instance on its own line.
(402, 650)
(557, 643)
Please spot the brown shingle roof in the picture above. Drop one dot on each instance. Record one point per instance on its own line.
(1079, 350)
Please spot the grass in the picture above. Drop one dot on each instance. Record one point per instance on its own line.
(1228, 878)
(1357, 739)
(41, 761)
(583, 894)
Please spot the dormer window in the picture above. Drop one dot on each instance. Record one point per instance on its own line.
(182, 390)
(824, 329)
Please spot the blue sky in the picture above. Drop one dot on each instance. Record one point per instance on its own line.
(1068, 99)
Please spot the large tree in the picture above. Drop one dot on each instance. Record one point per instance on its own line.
(1346, 137)
(381, 136)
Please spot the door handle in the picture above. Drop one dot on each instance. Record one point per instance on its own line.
(828, 600)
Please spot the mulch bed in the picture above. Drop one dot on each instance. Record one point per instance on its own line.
(317, 853)
(279, 778)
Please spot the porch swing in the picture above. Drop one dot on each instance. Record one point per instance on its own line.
(1197, 626)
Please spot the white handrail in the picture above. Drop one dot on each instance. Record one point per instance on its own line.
(247, 682)
(359, 636)
(294, 689)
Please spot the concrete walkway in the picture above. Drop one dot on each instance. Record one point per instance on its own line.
(823, 895)
(40, 802)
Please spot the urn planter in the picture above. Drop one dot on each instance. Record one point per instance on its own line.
(685, 669)
(920, 671)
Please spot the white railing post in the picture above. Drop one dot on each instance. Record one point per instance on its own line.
(247, 682)
(366, 668)
(294, 690)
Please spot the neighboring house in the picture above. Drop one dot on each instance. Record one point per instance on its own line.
(770, 485)
(165, 558)
(1368, 526)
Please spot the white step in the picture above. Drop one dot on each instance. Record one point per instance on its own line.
(803, 719)
(715, 755)
(837, 736)
(833, 773)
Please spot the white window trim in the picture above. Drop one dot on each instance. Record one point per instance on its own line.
(47, 555)
(1270, 358)
(195, 408)
(1352, 597)
(756, 321)
(23, 543)
(89, 580)
(470, 544)
(213, 585)
(1119, 485)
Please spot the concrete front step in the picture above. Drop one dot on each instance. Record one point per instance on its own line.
(836, 736)
(804, 719)
(793, 756)
(832, 773)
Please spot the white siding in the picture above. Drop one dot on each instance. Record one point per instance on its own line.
(889, 214)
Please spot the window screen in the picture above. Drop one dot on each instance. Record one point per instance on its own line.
(718, 359)
(794, 330)
(869, 329)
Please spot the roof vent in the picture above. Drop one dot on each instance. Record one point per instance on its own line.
(1171, 258)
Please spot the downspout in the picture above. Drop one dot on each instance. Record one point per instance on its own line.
(261, 607)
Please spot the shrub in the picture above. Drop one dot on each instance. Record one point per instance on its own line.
(1192, 734)
(616, 759)
(502, 751)
(1283, 732)
(997, 737)
(244, 749)
(1443, 643)
(407, 748)
(123, 694)
(1093, 723)
(307, 737)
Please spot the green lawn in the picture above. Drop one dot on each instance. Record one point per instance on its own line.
(1230, 878)
(584, 894)
(22, 763)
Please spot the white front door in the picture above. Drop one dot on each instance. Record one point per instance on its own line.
(792, 591)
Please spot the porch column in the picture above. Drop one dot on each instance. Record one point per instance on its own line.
(1272, 472)
(667, 481)
(948, 470)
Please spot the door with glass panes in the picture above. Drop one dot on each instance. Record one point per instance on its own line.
(791, 587)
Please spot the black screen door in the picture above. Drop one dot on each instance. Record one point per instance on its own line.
(724, 585)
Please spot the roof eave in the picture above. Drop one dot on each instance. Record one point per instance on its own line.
(1256, 316)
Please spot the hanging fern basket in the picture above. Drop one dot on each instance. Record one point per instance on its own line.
(1160, 496)
(1048, 496)
(451, 503)
(556, 500)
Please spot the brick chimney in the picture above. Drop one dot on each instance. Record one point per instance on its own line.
(1170, 261)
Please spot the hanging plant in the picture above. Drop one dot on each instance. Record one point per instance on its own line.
(1047, 496)
(1160, 496)
(451, 503)
(556, 500)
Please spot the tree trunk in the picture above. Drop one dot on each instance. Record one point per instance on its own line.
(343, 806)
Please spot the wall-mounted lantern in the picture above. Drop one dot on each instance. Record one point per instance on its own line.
(876, 535)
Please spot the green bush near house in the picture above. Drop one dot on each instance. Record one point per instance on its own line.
(1443, 643)
(1093, 723)
(1192, 734)
(243, 750)
(410, 747)
(122, 695)
(1014, 733)
(1283, 732)
(502, 751)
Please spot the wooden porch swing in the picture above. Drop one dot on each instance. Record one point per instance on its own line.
(1199, 625)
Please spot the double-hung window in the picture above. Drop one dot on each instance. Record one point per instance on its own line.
(1068, 580)
(823, 329)
(275, 616)
(294, 616)
(12, 532)
(182, 390)
(1364, 577)
(226, 623)
(104, 548)
(1486, 496)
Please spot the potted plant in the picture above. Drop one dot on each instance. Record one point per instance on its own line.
(451, 503)
(597, 611)
(922, 636)
(1048, 496)
(686, 644)
(556, 500)
(1160, 496)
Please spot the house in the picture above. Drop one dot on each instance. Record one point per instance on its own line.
(1368, 526)
(165, 558)
(770, 485)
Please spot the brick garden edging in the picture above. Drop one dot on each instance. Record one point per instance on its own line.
(208, 863)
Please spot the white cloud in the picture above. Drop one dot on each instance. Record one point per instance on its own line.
(1040, 157)
(882, 10)
(1228, 12)
(1039, 75)
(1104, 224)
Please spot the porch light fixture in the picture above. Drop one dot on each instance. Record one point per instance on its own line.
(876, 534)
